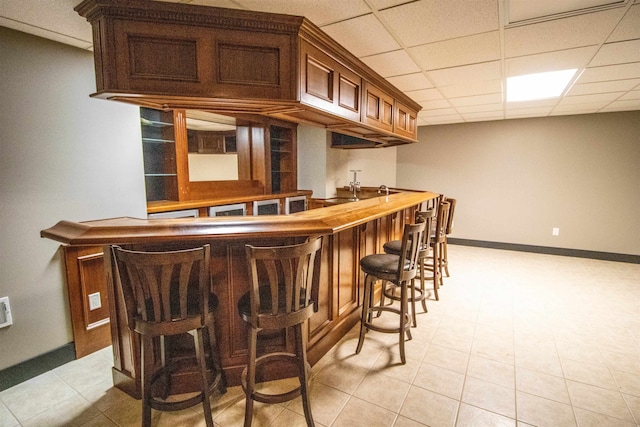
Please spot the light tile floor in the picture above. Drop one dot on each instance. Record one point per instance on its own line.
(516, 339)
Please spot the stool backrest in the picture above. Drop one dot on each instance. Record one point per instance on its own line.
(411, 243)
(452, 208)
(427, 217)
(161, 287)
(284, 283)
(442, 217)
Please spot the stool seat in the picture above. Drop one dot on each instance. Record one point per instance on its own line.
(397, 270)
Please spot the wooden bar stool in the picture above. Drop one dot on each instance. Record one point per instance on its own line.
(400, 271)
(448, 230)
(283, 294)
(433, 263)
(167, 294)
(394, 247)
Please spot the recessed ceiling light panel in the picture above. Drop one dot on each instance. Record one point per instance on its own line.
(530, 87)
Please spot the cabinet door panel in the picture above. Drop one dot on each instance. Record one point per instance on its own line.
(327, 84)
(405, 123)
(378, 110)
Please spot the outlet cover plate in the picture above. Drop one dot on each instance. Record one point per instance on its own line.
(94, 301)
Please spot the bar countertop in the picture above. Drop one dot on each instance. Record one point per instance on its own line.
(327, 220)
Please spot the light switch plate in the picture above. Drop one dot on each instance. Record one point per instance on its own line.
(5, 313)
(94, 301)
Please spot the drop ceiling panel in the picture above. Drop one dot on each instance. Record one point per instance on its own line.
(528, 112)
(472, 87)
(629, 26)
(428, 21)
(477, 100)
(410, 82)
(463, 50)
(384, 4)
(624, 105)
(459, 75)
(435, 104)
(320, 12)
(392, 63)
(531, 104)
(617, 53)
(521, 10)
(604, 98)
(559, 34)
(611, 72)
(604, 87)
(550, 61)
(425, 95)
(483, 116)
(356, 35)
(480, 108)
(438, 112)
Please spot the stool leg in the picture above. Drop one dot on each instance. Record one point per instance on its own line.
(146, 372)
(422, 288)
(403, 320)
(202, 366)
(251, 377)
(215, 357)
(366, 303)
(445, 259)
(303, 367)
(413, 302)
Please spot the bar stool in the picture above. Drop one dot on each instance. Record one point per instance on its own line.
(166, 294)
(283, 294)
(394, 247)
(448, 230)
(399, 270)
(433, 263)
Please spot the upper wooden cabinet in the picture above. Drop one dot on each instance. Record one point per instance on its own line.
(168, 55)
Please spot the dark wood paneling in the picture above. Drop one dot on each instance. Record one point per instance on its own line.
(85, 276)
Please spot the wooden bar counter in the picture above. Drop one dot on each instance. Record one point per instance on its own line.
(350, 231)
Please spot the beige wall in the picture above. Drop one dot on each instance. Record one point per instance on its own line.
(63, 155)
(515, 180)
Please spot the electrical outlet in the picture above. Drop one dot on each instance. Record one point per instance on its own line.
(94, 301)
(5, 313)
(555, 231)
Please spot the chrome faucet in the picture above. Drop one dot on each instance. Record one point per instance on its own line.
(383, 188)
(354, 185)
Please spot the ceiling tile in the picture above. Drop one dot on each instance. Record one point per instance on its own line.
(383, 4)
(559, 34)
(428, 21)
(549, 61)
(550, 102)
(463, 50)
(472, 87)
(392, 63)
(633, 95)
(355, 35)
(617, 53)
(577, 109)
(424, 95)
(528, 112)
(483, 116)
(610, 72)
(436, 104)
(629, 26)
(587, 99)
(229, 4)
(625, 105)
(603, 87)
(460, 75)
(521, 10)
(438, 112)
(493, 98)
(43, 20)
(480, 108)
(320, 12)
(441, 120)
(411, 82)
